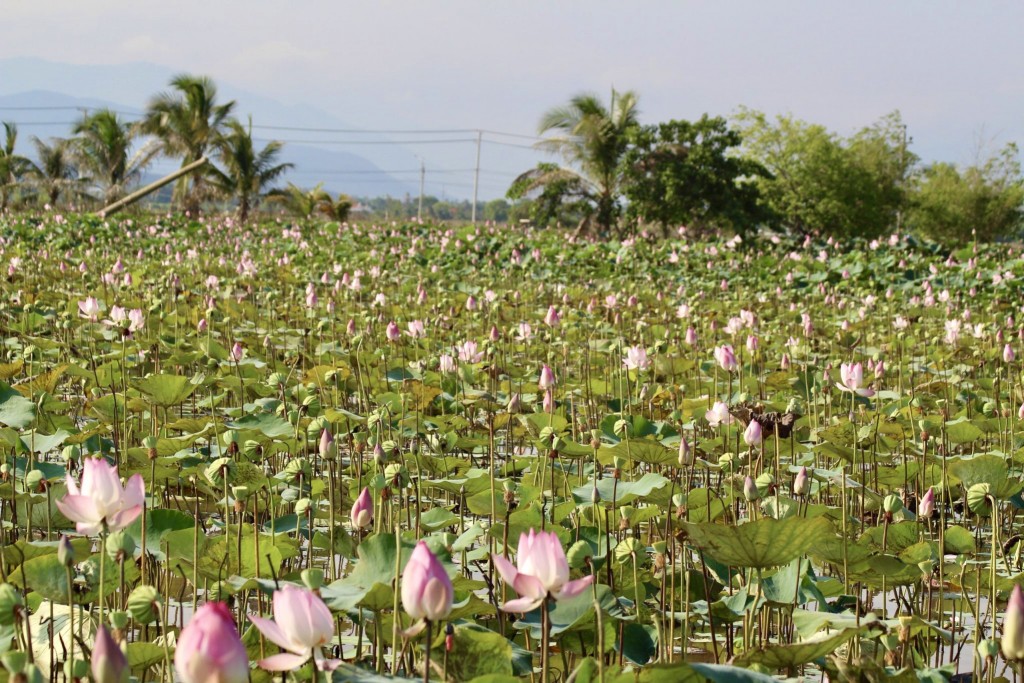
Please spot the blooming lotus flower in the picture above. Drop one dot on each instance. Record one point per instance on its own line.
(718, 415)
(90, 308)
(636, 358)
(136, 320)
(926, 507)
(752, 435)
(362, 510)
(541, 571)
(726, 358)
(446, 364)
(416, 329)
(547, 378)
(109, 665)
(851, 377)
(101, 502)
(302, 625)
(209, 649)
(469, 353)
(427, 592)
(117, 317)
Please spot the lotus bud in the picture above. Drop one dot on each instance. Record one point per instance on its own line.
(65, 551)
(144, 604)
(988, 648)
(1012, 643)
(33, 480)
(513, 404)
(547, 378)
(752, 435)
(926, 508)
(379, 455)
(328, 449)
(595, 495)
(1008, 354)
(362, 510)
(802, 483)
(109, 665)
(750, 492)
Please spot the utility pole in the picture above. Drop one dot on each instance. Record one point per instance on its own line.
(476, 171)
(423, 175)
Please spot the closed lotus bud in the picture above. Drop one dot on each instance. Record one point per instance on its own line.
(595, 495)
(784, 363)
(547, 378)
(65, 552)
(549, 401)
(685, 452)
(1012, 643)
(109, 665)
(144, 604)
(802, 483)
(514, 403)
(988, 648)
(362, 510)
(328, 449)
(1008, 354)
(379, 455)
(926, 508)
(750, 492)
(752, 435)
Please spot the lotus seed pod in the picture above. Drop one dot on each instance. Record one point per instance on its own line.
(33, 479)
(144, 604)
(302, 506)
(276, 379)
(120, 546)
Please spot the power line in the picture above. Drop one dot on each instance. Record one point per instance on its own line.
(368, 142)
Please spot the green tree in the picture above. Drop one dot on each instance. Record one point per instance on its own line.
(12, 166)
(338, 209)
(562, 199)
(246, 173)
(55, 172)
(496, 211)
(591, 138)
(817, 181)
(300, 202)
(104, 153)
(188, 122)
(683, 173)
(983, 201)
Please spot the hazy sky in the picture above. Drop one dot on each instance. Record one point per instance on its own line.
(954, 69)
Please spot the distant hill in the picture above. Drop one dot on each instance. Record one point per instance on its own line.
(46, 113)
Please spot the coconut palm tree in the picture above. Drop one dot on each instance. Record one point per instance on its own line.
(55, 173)
(188, 122)
(299, 202)
(12, 166)
(104, 150)
(246, 173)
(591, 138)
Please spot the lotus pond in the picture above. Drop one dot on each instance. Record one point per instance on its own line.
(370, 452)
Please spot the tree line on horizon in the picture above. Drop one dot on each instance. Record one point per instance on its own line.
(616, 174)
(758, 172)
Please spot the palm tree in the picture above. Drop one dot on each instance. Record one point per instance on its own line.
(246, 172)
(104, 150)
(299, 202)
(591, 139)
(188, 122)
(55, 173)
(337, 209)
(12, 166)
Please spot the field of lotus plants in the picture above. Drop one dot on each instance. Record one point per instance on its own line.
(323, 452)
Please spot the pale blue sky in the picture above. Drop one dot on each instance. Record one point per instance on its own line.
(954, 69)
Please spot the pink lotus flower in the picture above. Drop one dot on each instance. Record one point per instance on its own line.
(209, 649)
(547, 378)
(1008, 354)
(636, 358)
(851, 377)
(927, 505)
(427, 592)
(109, 665)
(685, 452)
(542, 571)
(446, 364)
(752, 435)
(552, 318)
(1012, 642)
(726, 358)
(101, 502)
(469, 353)
(718, 415)
(691, 336)
(416, 329)
(362, 510)
(302, 625)
(136, 320)
(237, 352)
(201, 326)
(90, 308)
(802, 483)
(392, 332)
